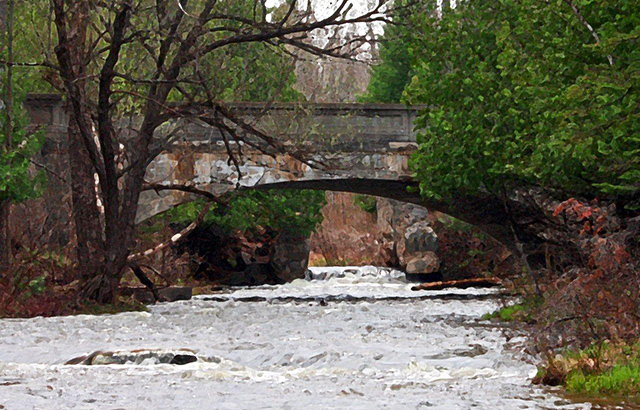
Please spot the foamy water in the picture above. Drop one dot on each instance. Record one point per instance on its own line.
(345, 338)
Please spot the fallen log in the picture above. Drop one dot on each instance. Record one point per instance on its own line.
(460, 284)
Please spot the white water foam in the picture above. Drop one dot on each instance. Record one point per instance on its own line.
(389, 349)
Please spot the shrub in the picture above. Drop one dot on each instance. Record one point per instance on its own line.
(367, 203)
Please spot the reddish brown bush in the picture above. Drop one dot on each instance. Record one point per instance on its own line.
(597, 296)
(35, 285)
(466, 252)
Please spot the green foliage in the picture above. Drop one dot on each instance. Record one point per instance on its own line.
(32, 38)
(297, 211)
(602, 369)
(367, 203)
(519, 312)
(522, 93)
(389, 78)
(507, 313)
(18, 181)
(622, 380)
(37, 285)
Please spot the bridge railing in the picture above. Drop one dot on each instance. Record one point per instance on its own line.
(339, 127)
(335, 127)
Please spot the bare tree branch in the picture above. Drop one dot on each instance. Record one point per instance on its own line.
(174, 239)
(586, 24)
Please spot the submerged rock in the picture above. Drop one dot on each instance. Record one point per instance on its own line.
(152, 356)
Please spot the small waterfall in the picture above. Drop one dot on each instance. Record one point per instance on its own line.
(355, 274)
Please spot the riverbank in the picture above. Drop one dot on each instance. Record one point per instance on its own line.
(53, 306)
(605, 371)
(28, 295)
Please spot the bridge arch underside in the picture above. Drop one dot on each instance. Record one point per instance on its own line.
(157, 202)
(484, 213)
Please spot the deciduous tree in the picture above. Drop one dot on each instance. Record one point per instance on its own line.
(153, 62)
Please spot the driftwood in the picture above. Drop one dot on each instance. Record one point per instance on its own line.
(460, 284)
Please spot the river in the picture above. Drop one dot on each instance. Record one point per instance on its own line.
(354, 338)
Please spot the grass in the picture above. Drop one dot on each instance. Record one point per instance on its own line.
(511, 313)
(619, 380)
(610, 370)
(520, 312)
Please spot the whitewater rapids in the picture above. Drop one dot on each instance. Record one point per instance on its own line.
(354, 338)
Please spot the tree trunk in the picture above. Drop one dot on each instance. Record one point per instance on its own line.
(6, 22)
(5, 237)
(460, 284)
(88, 227)
(120, 214)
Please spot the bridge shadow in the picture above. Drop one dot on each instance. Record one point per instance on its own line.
(481, 212)
(405, 191)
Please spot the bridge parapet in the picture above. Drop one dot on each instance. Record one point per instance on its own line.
(323, 127)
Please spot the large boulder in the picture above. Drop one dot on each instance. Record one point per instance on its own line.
(417, 239)
(423, 267)
(406, 230)
(289, 256)
(424, 262)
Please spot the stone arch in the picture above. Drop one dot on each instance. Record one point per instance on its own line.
(483, 212)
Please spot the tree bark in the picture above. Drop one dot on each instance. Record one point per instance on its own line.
(5, 204)
(5, 236)
(88, 227)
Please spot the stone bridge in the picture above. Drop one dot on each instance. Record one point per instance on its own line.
(343, 147)
(359, 148)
